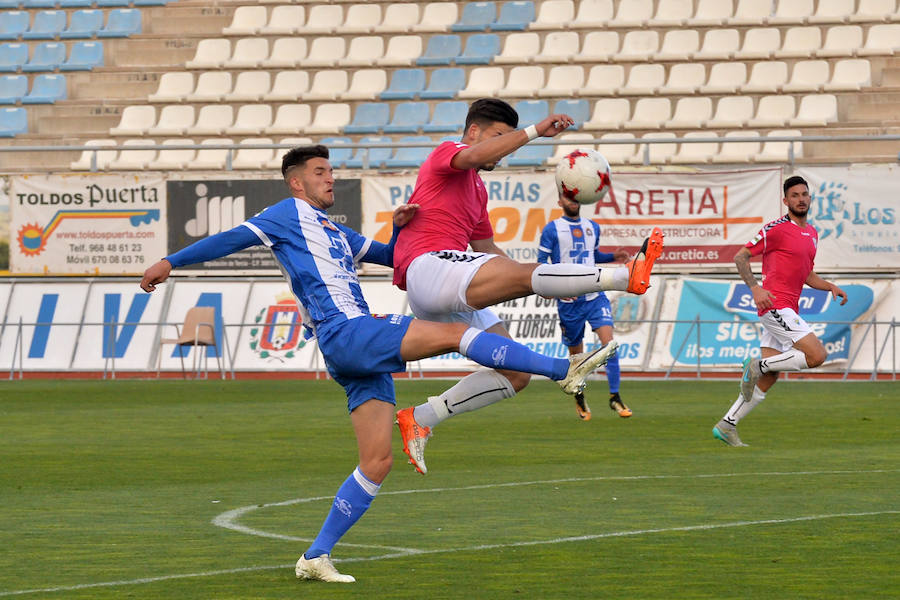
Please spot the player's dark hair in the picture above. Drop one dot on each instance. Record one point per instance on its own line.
(792, 181)
(297, 157)
(486, 111)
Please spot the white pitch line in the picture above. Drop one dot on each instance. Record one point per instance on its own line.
(579, 538)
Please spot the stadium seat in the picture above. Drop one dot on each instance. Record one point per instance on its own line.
(593, 14)
(773, 111)
(751, 12)
(621, 153)
(759, 43)
(212, 86)
(644, 80)
(696, 152)
(444, 83)
(247, 20)
(361, 18)
(650, 113)
(13, 24)
(174, 86)
(816, 110)
(84, 56)
(441, 50)
(523, 82)
(738, 152)
(402, 50)
(253, 158)
(112, 3)
(604, 80)
(327, 84)
(212, 119)
(409, 117)
(780, 151)
(135, 120)
(338, 155)
(48, 56)
(530, 155)
(718, 44)
(725, 78)
(684, 78)
(476, 16)
(87, 158)
(712, 13)
(672, 13)
(136, 2)
(480, 49)
(579, 110)
(399, 17)
(808, 76)
(515, 15)
(660, 153)
(405, 84)
(564, 80)
(483, 82)
(84, 23)
(13, 56)
(874, 11)
(576, 141)
(841, 41)
(531, 112)
(325, 52)
(833, 11)
(286, 19)
(437, 17)
(850, 75)
(10, 4)
(559, 47)
(635, 13)
(370, 158)
(172, 159)
(766, 77)
(369, 117)
(212, 159)
(133, 160)
(800, 42)
(276, 160)
(324, 18)
(287, 53)
(13, 88)
(363, 51)
(290, 118)
(638, 46)
(448, 116)
(46, 89)
(690, 113)
(366, 84)
(731, 111)
(174, 119)
(248, 53)
(251, 119)
(679, 44)
(519, 48)
(288, 86)
(210, 54)
(413, 156)
(609, 113)
(249, 86)
(882, 40)
(47, 25)
(554, 15)
(791, 12)
(121, 22)
(598, 47)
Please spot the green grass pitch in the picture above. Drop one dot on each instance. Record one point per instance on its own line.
(110, 490)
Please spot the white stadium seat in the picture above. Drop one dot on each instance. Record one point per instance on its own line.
(361, 18)
(719, 44)
(437, 17)
(173, 87)
(712, 13)
(286, 19)
(870, 11)
(325, 52)
(773, 111)
(593, 14)
(324, 18)
(604, 80)
(731, 111)
(399, 17)
(672, 13)
(483, 82)
(833, 11)
(725, 78)
(250, 86)
(638, 46)
(287, 52)
(290, 118)
(247, 20)
(650, 113)
(249, 53)
(366, 84)
(288, 86)
(330, 118)
(210, 54)
(211, 86)
(690, 113)
(766, 77)
(696, 152)
(792, 12)
(251, 119)
(523, 82)
(564, 81)
(170, 159)
(660, 153)
(609, 113)
(850, 75)
(679, 44)
(841, 41)
(212, 119)
(135, 120)
(881, 40)
(104, 157)
(554, 14)
(751, 12)
(174, 119)
(519, 48)
(780, 151)
(559, 46)
(210, 158)
(800, 42)
(685, 78)
(816, 110)
(598, 47)
(253, 158)
(327, 84)
(402, 50)
(133, 160)
(619, 154)
(808, 76)
(644, 80)
(634, 13)
(363, 51)
(759, 43)
(738, 152)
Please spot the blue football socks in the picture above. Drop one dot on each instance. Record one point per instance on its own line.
(351, 502)
(612, 373)
(498, 352)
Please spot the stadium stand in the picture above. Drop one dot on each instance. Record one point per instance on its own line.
(13, 88)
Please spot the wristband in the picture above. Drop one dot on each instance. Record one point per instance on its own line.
(531, 132)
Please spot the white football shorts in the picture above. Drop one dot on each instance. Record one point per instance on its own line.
(436, 285)
(781, 328)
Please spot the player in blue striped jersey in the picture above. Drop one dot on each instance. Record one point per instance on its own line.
(575, 239)
(318, 258)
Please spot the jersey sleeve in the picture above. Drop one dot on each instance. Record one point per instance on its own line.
(758, 244)
(215, 246)
(548, 248)
(271, 225)
(440, 158)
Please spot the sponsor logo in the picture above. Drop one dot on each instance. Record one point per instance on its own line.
(499, 355)
(215, 214)
(342, 505)
(834, 215)
(277, 335)
(33, 238)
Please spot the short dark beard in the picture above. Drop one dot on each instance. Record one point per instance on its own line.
(572, 215)
(798, 214)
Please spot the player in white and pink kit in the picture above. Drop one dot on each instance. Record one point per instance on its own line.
(788, 249)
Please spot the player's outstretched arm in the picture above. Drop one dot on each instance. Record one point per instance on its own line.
(155, 275)
(493, 149)
(816, 282)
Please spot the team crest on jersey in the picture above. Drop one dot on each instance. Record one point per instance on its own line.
(393, 319)
(577, 233)
(277, 335)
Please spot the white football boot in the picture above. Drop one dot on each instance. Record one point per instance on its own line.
(320, 568)
(582, 365)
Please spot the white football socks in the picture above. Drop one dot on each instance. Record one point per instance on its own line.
(792, 360)
(740, 409)
(566, 280)
(472, 392)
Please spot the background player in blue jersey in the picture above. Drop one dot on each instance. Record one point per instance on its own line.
(318, 258)
(574, 239)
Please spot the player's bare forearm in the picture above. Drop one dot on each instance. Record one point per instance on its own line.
(742, 260)
(493, 149)
(156, 274)
(816, 282)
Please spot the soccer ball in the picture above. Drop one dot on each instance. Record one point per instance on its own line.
(583, 176)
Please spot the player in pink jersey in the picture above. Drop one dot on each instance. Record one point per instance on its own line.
(788, 249)
(445, 281)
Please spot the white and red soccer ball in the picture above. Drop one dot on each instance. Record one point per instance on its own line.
(583, 176)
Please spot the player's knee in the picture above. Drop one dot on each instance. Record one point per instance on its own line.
(816, 357)
(377, 468)
(517, 379)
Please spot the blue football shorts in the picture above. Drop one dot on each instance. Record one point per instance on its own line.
(362, 353)
(573, 315)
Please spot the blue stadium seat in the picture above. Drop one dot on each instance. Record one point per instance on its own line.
(84, 57)
(46, 89)
(445, 83)
(76, 3)
(47, 57)
(448, 116)
(579, 110)
(13, 121)
(405, 84)
(411, 157)
(40, 4)
(113, 3)
(122, 22)
(409, 117)
(531, 112)
(10, 4)
(13, 88)
(13, 56)
(47, 25)
(369, 117)
(13, 24)
(476, 16)
(480, 49)
(514, 16)
(376, 156)
(84, 24)
(150, 2)
(441, 50)
(337, 155)
(531, 155)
